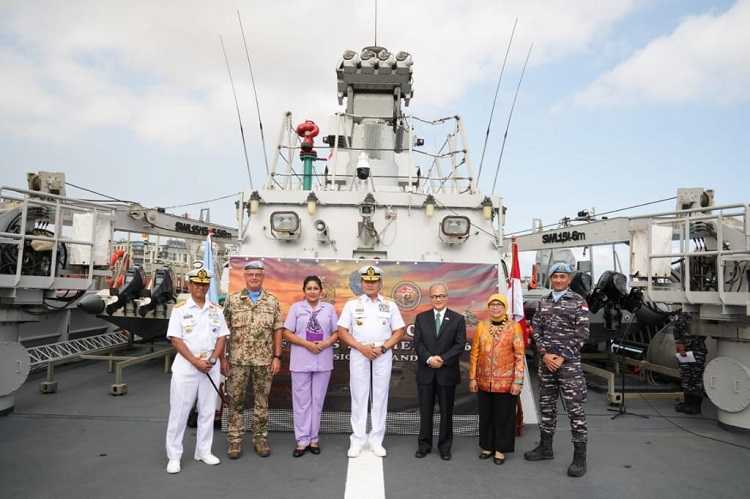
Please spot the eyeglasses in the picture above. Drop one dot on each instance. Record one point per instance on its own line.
(496, 304)
(438, 297)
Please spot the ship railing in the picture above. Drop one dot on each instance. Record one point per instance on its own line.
(729, 229)
(452, 157)
(417, 180)
(48, 211)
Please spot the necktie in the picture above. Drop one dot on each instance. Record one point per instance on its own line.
(438, 322)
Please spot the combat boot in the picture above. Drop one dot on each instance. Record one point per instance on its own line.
(681, 406)
(578, 467)
(543, 450)
(235, 450)
(262, 448)
(693, 404)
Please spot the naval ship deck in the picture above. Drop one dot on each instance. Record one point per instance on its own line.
(81, 442)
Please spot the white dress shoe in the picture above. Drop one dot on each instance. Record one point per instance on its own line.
(378, 450)
(208, 459)
(173, 466)
(354, 451)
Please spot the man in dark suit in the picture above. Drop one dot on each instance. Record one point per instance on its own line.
(439, 339)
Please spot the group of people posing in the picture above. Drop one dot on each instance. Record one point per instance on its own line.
(243, 341)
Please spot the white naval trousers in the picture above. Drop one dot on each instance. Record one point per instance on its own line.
(182, 393)
(359, 386)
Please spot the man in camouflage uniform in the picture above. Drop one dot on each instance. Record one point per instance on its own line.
(561, 325)
(691, 373)
(254, 319)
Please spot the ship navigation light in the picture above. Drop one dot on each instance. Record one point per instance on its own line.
(255, 200)
(487, 208)
(312, 203)
(429, 205)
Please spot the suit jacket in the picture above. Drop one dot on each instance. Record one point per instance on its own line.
(449, 345)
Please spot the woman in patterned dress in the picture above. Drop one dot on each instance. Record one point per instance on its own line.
(496, 371)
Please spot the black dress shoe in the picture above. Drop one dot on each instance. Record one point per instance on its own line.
(299, 452)
(445, 456)
(421, 453)
(485, 455)
(498, 460)
(314, 449)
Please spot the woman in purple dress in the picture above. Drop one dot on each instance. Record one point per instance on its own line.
(310, 328)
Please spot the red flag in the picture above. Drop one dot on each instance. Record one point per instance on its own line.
(515, 293)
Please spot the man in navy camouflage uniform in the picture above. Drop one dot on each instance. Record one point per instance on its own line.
(691, 373)
(561, 325)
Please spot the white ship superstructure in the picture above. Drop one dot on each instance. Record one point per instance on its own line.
(374, 192)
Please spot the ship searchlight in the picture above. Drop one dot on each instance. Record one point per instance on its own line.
(285, 225)
(455, 229)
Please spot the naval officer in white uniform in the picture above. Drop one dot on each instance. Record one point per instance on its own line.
(371, 325)
(198, 331)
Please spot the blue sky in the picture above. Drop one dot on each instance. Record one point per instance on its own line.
(624, 101)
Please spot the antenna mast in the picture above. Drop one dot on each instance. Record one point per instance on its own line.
(494, 101)
(510, 116)
(255, 93)
(237, 106)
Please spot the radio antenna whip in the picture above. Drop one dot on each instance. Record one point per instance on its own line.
(255, 93)
(237, 106)
(510, 117)
(494, 101)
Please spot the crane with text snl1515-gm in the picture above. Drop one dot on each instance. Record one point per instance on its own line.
(695, 259)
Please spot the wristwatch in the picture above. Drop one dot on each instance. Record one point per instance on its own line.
(212, 360)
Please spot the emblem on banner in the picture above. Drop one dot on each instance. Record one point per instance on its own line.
(407, 295)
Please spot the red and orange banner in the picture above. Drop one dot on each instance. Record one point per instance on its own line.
(469, 284)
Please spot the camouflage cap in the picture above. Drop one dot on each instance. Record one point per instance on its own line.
(560, 267)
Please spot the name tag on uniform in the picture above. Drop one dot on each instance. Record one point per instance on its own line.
(383, 307)
(359, 314)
